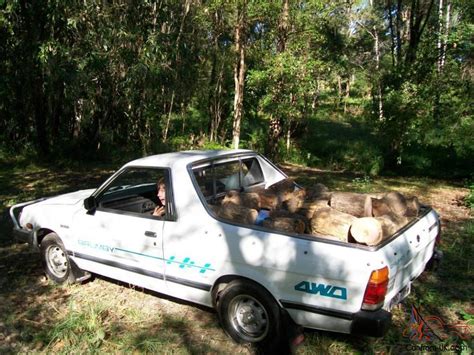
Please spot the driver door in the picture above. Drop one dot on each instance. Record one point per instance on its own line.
(121, 238)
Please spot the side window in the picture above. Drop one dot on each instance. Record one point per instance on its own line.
(251, 173)
(227, 176)
(139, 191)
(204, 180)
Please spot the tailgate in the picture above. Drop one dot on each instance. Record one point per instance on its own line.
(409, 252)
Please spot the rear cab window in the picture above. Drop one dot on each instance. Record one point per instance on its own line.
(216, 178)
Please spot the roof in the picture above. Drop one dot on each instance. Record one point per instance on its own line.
(183, 158)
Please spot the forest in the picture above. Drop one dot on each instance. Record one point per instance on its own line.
(369, 86)
(359, 95)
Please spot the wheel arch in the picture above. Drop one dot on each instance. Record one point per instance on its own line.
(224, 280)
(42, 233)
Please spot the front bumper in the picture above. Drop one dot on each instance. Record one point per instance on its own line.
(371, 323)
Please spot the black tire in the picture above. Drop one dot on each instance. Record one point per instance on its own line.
(248, 313)
(55, 260)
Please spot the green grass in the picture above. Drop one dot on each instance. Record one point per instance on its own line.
(106, 316)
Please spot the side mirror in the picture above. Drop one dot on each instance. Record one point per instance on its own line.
(90, 203)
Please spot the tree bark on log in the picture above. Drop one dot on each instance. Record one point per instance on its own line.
(287, 214)
(413, 206)
(330, 221)
(236, 213)
(358, 205)
(246, 199)
(392, 202)
(295, 201)
(309, 208)
(268, 200)
(391, 223)
(317, 192)
(285, 224)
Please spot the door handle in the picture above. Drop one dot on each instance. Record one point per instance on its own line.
(150, 234)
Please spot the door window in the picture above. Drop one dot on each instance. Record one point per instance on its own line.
(143, 192)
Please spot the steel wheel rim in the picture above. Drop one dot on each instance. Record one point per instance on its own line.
(248, 317)
(57, 261)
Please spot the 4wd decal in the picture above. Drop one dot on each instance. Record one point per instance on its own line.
(187, 262)
(322, 289)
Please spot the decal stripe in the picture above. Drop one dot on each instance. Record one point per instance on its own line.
(317, 310)
(193, 284)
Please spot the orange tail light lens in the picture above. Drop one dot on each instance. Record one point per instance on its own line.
(376, 290)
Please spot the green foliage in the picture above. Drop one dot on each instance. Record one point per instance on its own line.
(104, 80)
(83, 327)
(362, 184)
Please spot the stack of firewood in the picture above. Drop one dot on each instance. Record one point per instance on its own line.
(343, 216)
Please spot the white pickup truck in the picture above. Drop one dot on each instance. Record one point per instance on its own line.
(255, 277)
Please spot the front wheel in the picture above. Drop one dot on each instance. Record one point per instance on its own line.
(248, 313)
(55, 260)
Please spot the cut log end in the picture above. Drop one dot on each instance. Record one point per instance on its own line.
(367, 230)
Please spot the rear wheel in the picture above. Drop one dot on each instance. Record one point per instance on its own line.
(55, 260)
(248, 313)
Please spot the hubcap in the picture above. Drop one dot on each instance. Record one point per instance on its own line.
(249, 318)
(57, 261)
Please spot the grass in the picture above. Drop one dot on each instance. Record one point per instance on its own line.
(106, 316)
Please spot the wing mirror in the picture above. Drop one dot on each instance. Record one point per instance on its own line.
(90, 203)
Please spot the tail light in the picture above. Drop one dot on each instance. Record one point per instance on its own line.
(376, 290)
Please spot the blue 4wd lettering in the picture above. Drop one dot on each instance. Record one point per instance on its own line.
(322, 289)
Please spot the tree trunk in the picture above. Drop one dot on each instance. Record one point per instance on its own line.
(275, 128)
(440, 34)
(399, 30)
(239, 73)
(168, 120)
(392, 32)
(348, 92)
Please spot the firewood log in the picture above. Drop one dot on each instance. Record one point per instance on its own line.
(268, 200)
(237, 213)
(295, 201)
(285, 185)
(316, 192)
(358, 205)
(367, 230)
(413, 206)
(285, 224)
(309, 208)
(380, 207)
(245, 199)
(287, 214)
(397, 203)
(332, 222)
(392, 202)
(391, 223)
